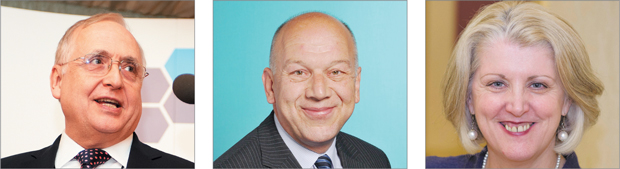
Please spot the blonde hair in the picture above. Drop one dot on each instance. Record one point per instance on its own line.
(65, 46)
(526, 24)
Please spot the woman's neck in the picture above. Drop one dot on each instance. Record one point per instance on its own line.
(547, 159)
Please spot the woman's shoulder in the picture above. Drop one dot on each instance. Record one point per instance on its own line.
(462, 161)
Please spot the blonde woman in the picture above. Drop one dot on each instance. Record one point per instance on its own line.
(520, 81)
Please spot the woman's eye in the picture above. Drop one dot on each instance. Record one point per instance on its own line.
(497, 84)
(538, 85)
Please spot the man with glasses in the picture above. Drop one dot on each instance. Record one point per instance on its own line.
(97, 78)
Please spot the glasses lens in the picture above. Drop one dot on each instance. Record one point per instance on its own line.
(131, 70)
(96, 63)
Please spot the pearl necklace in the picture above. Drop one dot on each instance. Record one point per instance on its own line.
(484, 162)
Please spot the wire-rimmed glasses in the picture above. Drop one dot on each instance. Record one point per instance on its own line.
(99, 64)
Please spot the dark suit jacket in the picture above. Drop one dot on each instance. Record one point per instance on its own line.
(264, 148)
(140, 156)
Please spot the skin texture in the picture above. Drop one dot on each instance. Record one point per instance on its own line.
(316, 85)
(516, 84)
(87, 122)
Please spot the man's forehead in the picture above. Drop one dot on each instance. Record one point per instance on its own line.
(298, 61)
(108, 37)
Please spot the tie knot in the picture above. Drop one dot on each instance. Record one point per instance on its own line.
(323, 162)
(91, 158)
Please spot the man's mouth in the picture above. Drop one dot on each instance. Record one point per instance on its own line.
(517, 127)
(109, 102)
(318, 112)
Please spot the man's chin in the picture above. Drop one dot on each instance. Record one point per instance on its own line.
(321, 138)
(108, 128)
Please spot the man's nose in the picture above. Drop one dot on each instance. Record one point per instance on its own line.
(517, 102)
(113, 78)
(318, 89)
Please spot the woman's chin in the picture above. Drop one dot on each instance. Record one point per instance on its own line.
(518, 153)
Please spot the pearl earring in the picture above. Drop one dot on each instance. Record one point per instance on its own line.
(562, 135)
(472, 134)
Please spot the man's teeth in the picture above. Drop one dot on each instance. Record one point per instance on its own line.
(520, 128)
(109, 105)
(108, 102)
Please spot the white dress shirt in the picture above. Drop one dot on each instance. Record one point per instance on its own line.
(306, 157)
(68, 149)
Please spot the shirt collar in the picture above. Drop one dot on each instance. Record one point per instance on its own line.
(304, 156)
(68, 148)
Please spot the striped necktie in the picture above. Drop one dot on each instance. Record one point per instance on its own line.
(323, 162)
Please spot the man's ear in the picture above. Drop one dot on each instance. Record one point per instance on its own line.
(357, 84)
(56, 80)
(268, 84)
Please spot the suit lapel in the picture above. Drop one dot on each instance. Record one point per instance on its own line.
(140, 156)
(46, 157)
(274, 152)
(347, 153)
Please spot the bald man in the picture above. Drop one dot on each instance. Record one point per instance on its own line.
(313, 83)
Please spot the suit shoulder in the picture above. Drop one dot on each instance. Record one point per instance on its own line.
(22, 160)
(364, 150)
(244, 154)
(165, 160)
(360, 144)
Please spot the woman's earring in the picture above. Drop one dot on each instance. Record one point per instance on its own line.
(472, 132)
(562, 135)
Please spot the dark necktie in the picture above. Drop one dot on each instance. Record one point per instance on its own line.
(323, 162)
(91, 158)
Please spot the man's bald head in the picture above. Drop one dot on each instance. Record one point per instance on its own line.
(312, 22)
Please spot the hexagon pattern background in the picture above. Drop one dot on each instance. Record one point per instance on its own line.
(155, 88)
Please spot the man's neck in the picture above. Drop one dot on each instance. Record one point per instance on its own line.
(94, 139)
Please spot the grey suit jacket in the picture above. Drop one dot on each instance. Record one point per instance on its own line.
(264, 148)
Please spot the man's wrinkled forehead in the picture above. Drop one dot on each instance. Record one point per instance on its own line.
(105, 31)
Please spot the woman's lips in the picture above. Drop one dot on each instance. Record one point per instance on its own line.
(317, 112)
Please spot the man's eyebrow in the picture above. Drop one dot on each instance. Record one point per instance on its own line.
(101, 52)
(128, 58)
(108, 54)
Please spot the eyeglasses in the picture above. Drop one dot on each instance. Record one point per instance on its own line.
(98, 64)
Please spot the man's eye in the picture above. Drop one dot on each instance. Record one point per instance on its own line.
(336, 72)
(96, 60)
(129, 67)
(299, 72)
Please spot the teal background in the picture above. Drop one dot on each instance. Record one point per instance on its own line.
(242, 33)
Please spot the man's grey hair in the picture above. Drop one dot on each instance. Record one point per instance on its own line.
(66, 44)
